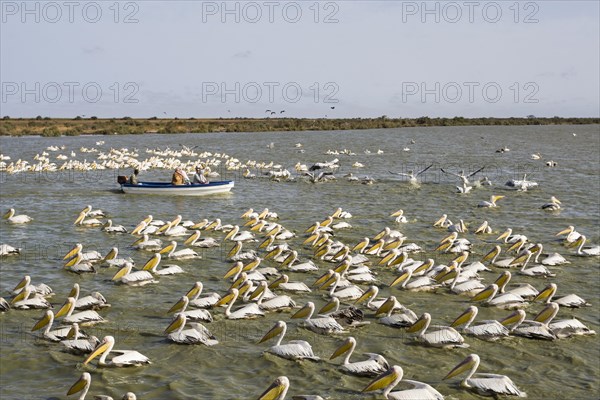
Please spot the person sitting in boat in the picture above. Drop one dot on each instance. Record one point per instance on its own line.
(199, 176)
(180, 177)
(133, 179)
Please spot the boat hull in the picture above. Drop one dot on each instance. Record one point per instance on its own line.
(178, 190)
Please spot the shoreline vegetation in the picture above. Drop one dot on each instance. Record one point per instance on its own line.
(53, 127)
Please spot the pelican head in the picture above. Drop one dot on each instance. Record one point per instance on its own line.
(345, 347)
(514, 319)
(332, 304)
(547, 314)
(466, 317)
(492, 254)
(569, 229)
(123, 271)
(112, 254)
(9, 213)
(68, 305)
(404, 276)
(193, 237)
(195, 290)
(180, 305)
(23, 283)
(274, 331)
(469, 363)
(387, 306)
(178, 322)
(305, 311)
(82, 384)
(277, 390)
(505, 234)
(503, 280)
(107, 343)
(554, 200)
(232, 232)
(76, 249)
(421, 324)
(386, 380)
(231, 296)
(46, 319)
(170, 248)
(323, 278)
(370, 293)
(487, 293)
(234, 270)
(547, 293)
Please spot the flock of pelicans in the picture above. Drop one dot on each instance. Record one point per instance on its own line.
(262, 254)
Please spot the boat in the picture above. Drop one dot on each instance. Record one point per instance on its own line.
(177, 190)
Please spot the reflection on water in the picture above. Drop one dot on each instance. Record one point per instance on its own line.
(236, 367)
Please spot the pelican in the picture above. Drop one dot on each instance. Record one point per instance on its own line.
(524, 290)
(370, 295)
(538, 270)
(83, 386)
(375, 365)
(293, 350)
(487, 330)
(7, 250)
(518, 325)
(125, 358)
(306, 266)
(88, 256)
(484, 384)
(137, 278)
(467, 287)
(78, 266)
(16, 219)
(192, 315)
(153, 262)
(491, 203)
(570, 300)
(399, 216)
(171, 229)
(111, 259)
(28, 300)
(283, 283)
(237, 236)
(204, 243)
(423, 283)
(443, 222)
(277, 390)
(322, 325)
(563, 328)
(404, 318)
(4, 305)
(350, 316)
(493, 254)
(81, 221)
(453, 244)
(236, 254)
(88, 317)
(412, 177)
(341, 214)
(549, 259)
(484, 228)
(245, 312)
(109, 228)
(198, 334)
(521, 184)
(443, 336)
(572, 234)
(510, 238)
(459, 227)
(145, 243)
(588, 251)
(390, 378)
(47, 320)
(201, 302)
(183, 254)
(95, 300)
(465, 188)
(75, 343)
(42, 289)
(274, 304)
(506, 300)
(351, 292)
(554, 204)
(93, 213)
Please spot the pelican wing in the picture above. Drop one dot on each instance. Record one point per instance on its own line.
(488, 329)
(444, 337)
(570, 327)
(325, 325)
(534, 330)
(294, 349)
(493, 383)
(420, 391)
(199, 315)
(138, 277)
(84, 317)
(249, 311)
(129, 358)
(278, 302)
(206, 301)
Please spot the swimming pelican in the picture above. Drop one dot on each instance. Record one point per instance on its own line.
(88, 317)
(570, 300)
(183, 254)
(194, 241)
(506, 300)
(93, 213)
(111, 259)
(351, 292)
(201, 302)
(420, 284)
(519, 326)
(171, 229)
(510, 238)
(588, 251)
(370, 295)
(16, 219)
(459, 227)
(321, 325)
(563, 328)
(467, 287)
(93, 301)
(192, 315)
(572, 234)
(125, 358)
(538, 270)
(375, 365)
(293, 350)
(549, 259)
(42, 289)
(4, 305)
(145, 243)
(341, 214)
(198, 333)
(76, 343)
(237, 236)
(283, 283)
(236, 254)
(554, 204)
(349, 316)
(443, 222)
(153, 262)
(493, 254)
(90, 222)
(79, 266)
(487, 330)
(28, 300)
(484, 228)
(272, 304)
(390, 378)
(524, 290)
(305, 266)
(47, 320)
(399, 216)
(521, 184)
(137, 278)
(83, 386)
(277, 390)
(88, 256)
(491, 203)
(245, 312)
(443, 336)
(484, 384)
(411, 175)
(7, 250)
(108, 227)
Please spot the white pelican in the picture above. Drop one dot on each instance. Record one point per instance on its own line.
(194, 241)
(293, 350)
(375, 365)
(549, 259)
(404, 318)
(487, 330)
(47, 320)
(83, 386)
(493, 254)
(237, 236)
(321, 325)
(453, 244)
(277, 390)
(305, 266)
(28, 300)
(192, 315)
(201, 302)
(217, 226)
(4, 305)
(465, 188)
(108, 227)
(170, 229)
(7, 250)
(554, 204)
(390, 378)
(272, 304)
(467, 287)
(137, 278)
(145, 243)
(79, 266)
(197, 334)
(16, 219)
(572, 234)
(341, 214)
(88, 317)
(75, 343)
(111, 259)
(249, 214)
(125, 358)
(510, 238)
(491, 203)
(521, 184)
(459, 227)
(570, 300)
(351, 292)
(422, 283)
(588, 251)
(399, 216)
(236, 254)
(563, 328)
(537, 270)
(81, 221)
(88, 256)
(349, 316)
(41, 289)
(519, 326)
(370, 295)
(153, 262)
(484, 384)
(283, 283)
(443, 336)
(411, 175)
(183, 254)
(506, 300)
(443, 222)
(484, 228)
(95, 300)
(245, 312)
(93, 213)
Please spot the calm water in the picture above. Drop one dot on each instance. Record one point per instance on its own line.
(236, 368)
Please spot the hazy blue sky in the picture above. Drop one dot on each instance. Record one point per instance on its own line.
(365, 58)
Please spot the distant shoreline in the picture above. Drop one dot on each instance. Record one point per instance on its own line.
(54, 127)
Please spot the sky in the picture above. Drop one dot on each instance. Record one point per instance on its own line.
(340, 59)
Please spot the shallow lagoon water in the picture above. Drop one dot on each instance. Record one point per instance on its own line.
(236, 368)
